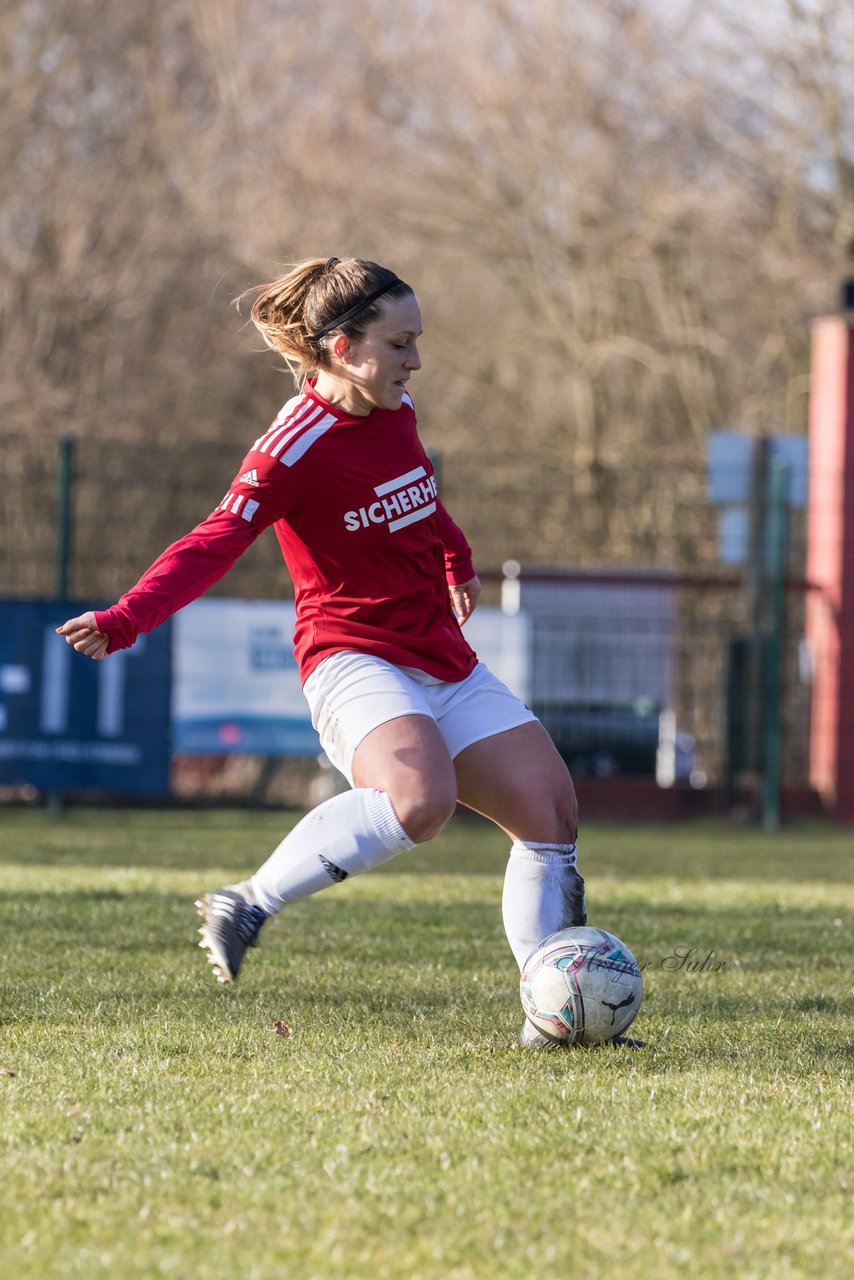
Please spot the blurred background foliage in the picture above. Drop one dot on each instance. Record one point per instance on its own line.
(619, 219)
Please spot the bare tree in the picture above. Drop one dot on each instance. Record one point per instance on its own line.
(619, 219)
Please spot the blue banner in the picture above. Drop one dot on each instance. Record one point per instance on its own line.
(68, 723)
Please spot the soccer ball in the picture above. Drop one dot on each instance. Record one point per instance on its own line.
(581, 986)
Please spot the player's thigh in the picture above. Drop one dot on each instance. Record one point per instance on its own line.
(407, 758)
(518, 779)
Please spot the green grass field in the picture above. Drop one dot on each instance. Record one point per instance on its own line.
(156, 1125)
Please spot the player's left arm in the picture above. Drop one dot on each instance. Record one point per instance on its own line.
(463, 582)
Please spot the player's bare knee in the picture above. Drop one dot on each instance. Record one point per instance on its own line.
(422, 818)
(551, 818)
(545, 813)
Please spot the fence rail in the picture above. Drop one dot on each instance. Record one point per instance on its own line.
(125, 501)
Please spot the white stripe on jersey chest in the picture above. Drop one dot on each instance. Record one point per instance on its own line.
(290, 418)
(295, 430)
(304, 442)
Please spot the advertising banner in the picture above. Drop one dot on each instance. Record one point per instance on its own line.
(236, 688)
(236, 684)
(68, 723)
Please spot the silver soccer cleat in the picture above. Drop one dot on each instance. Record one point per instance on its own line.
(231, 924)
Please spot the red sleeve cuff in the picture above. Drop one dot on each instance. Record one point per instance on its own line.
(118, 628)
(461, 571)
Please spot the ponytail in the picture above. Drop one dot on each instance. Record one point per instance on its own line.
(299, 313)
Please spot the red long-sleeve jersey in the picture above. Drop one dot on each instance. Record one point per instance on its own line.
(369, 546)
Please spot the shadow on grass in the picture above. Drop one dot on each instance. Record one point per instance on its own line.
(778, 936)
(78, 958)
(238, 841)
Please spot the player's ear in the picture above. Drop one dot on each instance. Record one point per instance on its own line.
(341, 349)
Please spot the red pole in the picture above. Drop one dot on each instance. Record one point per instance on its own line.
(830, 564)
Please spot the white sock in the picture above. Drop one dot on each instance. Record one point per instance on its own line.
(543, 892)
(342, 837)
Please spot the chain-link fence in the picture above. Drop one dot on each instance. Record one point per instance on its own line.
(620, 530)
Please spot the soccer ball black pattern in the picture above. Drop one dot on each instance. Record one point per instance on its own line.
(581, 986)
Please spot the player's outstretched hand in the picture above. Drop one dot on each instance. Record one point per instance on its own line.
(84, 635)
(464, 599)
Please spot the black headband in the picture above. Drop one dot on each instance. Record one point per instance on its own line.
(356, 310)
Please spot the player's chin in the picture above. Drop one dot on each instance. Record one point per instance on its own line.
(394, 395)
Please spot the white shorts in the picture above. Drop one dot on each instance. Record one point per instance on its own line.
(350, 694)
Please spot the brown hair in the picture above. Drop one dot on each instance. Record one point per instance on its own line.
(298, 312)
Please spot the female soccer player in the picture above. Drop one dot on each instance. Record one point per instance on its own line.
(384, 581)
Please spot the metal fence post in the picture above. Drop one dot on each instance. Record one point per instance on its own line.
(777, 557)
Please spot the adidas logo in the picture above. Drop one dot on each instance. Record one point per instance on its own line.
(249, 477)
(335, 873)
